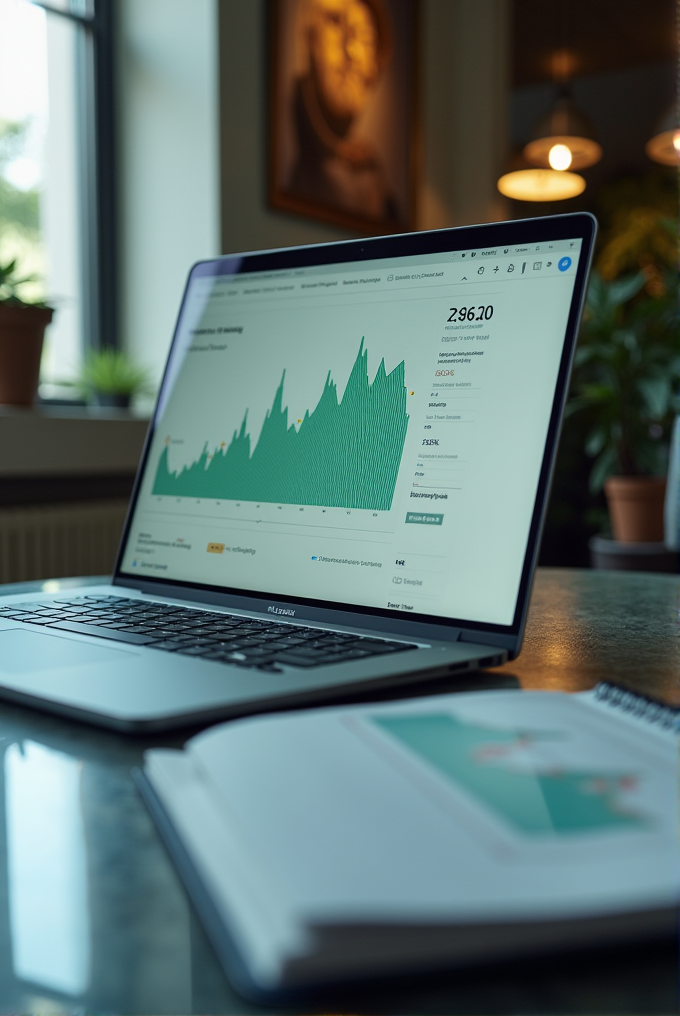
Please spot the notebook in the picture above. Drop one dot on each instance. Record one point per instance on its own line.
(343, 484)
(423, 835)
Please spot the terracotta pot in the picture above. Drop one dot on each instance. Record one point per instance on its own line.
(636, 507)
(22, 330)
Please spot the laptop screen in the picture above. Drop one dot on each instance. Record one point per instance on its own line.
(367, 433)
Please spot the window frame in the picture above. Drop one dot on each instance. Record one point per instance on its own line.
(96, 159)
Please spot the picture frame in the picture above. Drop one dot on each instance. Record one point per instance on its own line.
(343, 112)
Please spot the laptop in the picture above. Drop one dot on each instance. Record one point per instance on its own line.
(342, 487)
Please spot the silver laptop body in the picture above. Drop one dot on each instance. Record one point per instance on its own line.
(342, 487)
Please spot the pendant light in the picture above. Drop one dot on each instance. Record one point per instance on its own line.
(563, 138)
(664, 147)
(524, 182)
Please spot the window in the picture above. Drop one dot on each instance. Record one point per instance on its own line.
(56, 167)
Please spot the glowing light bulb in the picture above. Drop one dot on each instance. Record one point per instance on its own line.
(559, 157)
(676, 141)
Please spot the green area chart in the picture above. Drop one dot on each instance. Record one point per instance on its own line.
(480, 760)
(345, 453)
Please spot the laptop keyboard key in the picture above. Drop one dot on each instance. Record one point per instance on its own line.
(350, 654)
(377, 649)
(106, 633)
(298, 661)
(169, 646)
(37, 619)
(138, 629)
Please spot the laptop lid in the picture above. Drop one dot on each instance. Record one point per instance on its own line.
(364, 431)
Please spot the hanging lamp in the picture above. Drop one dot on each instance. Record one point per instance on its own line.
(562, 141)
(524, 182)
(664, 147)
(563, 138)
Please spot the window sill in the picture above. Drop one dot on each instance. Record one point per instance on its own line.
(53, 441)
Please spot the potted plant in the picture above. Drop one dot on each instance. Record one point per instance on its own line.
(22, 331)
(626, 379)
(110, 377)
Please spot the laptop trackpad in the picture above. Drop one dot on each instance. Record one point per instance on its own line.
(22, 652)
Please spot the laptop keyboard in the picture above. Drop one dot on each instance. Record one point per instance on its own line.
(224, 638)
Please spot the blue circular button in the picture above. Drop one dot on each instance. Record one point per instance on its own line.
(563, 264)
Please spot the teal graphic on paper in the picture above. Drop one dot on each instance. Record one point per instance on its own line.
(495, 766)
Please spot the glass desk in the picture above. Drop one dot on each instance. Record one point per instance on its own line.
(93, 918)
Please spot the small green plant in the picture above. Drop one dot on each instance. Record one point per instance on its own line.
(113, 372)
(11, 283)
(627, 375)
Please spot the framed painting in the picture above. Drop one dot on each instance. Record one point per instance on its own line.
(343, 100)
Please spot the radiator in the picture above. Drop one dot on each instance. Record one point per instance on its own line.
(59, 540)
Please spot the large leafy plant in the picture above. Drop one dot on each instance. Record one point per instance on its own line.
(627, 375)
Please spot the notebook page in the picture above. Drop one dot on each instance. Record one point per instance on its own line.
(499, 806)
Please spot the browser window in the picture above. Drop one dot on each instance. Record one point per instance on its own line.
(386, 418)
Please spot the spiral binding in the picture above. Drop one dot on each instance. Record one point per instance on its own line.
(642, 706)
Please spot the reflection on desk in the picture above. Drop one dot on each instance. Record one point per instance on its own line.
(93, 917)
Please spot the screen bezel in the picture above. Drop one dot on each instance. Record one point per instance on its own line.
(579, 225)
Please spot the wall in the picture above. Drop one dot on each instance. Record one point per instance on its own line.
(464, 70)
(169, 175)
(192, 96)
(247, 222)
